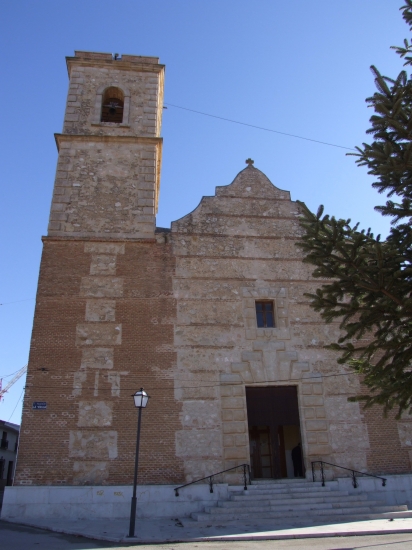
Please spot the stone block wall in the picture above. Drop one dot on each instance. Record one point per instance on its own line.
(140, 78)
(233, 249)
(108, 174)
(106, 187)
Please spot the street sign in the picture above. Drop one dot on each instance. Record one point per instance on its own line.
(39, 405)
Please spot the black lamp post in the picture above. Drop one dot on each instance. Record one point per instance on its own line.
(140, 401)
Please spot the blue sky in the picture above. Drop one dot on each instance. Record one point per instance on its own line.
(297, 67)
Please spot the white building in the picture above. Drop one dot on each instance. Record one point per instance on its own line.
(9, 440)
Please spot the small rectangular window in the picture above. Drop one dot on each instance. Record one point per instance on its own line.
(264, 314)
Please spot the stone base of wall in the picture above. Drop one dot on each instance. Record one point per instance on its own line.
(96, 502)
(398, 489)
(156, 501)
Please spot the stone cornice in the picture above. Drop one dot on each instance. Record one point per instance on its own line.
(124, 65)
(105, 239)
(60, 138)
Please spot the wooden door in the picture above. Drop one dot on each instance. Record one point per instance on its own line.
(260, 452)
(269, 409)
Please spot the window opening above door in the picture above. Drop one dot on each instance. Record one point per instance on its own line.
(264, 314)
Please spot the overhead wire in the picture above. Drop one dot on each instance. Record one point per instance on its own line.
(233, 122)
(314, 377)
(8, 375)
(260, 127)
(16, 302)
(18, 401)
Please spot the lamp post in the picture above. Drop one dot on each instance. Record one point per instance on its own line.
(140, 401)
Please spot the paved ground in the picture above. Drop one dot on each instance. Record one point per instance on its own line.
(163, 530)
(17, 537)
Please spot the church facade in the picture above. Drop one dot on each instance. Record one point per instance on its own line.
(209, 316)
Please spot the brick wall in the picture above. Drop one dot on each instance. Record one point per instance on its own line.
(386, 455)
(87, 433)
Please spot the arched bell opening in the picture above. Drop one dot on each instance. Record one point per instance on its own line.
(112, 105)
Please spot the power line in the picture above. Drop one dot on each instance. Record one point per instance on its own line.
(18, 301)
(8, 375)
(260, 127)
(16, 405)
(314, 377)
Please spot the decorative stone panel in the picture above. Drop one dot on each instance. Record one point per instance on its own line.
(272, 361)
(97, 336)
(92, 444)
(405, 433)
(279, 297)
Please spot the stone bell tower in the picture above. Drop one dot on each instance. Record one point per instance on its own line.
(105, 283)
(108, 172)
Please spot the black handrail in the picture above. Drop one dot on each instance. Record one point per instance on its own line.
(353, 472)
(246, 468)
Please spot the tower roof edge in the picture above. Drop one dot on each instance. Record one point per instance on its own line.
(125, 62)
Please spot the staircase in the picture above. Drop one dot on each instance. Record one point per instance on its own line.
(293, 503)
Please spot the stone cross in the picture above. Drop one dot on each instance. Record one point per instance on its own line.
(249, 161)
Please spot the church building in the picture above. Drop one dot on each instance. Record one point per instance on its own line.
(209, 316)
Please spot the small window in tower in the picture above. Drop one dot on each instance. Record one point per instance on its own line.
(112, 106)
(264, 314)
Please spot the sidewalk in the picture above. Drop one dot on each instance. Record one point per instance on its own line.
(173, 530)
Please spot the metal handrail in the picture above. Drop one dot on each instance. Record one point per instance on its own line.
(246, 468)
(353, 472)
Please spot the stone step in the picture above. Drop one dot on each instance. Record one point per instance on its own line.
(282, 485)
(301, 487)
(250, 502)
(288, 503)
(300, 508)
(286, 481)
(319, 516)
(288, 487)
(392, 515)
(289, 522)
(269, 495)
(385, 509)
(291, 490)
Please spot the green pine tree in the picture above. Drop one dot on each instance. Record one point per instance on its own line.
(370, 289)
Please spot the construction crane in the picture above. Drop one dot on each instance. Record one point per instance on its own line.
(12, 381)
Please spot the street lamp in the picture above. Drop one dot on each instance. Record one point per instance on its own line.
(140, 401)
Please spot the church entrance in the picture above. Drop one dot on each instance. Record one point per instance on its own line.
(274, 432)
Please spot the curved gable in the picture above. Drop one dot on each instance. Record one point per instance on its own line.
(251, 182)
(237, 208)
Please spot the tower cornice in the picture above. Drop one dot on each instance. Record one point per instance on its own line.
(125, 63)
(62, 138)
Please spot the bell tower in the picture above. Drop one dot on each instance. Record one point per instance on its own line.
(108, 172)
(105, 282)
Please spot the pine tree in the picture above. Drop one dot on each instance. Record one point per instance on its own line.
(370, 292)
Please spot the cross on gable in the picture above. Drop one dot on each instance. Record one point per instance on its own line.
(249, 161)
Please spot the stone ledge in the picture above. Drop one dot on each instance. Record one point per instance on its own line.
(110, 124)
(125, 63)
(65, 138)
(97, 239)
